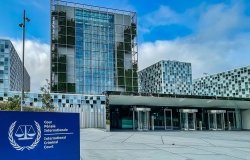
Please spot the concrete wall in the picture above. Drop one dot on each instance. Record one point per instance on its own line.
(90, 117)
(245, 119)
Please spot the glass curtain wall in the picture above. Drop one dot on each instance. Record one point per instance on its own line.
(126, 52)
(93, 49)
(94, 52)
(62, 49)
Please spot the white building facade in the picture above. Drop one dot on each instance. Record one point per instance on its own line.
(166, 77)
(11, 70)
(233, 83)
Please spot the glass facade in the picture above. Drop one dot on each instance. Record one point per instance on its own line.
(93, 49)
(94, 52)
(11, 70)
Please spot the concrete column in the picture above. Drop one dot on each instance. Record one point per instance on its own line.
(138, 115)
(238, 119)
(94, 117)
(107, 118)
(245, 119)
(83, 116)
(104, 117)
(133, 119)
(152, 123)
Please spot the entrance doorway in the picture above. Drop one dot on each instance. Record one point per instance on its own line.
(231, 120)
(216, 120)
(141, 119)
(188, 119)
(157, 119)
(168, 119)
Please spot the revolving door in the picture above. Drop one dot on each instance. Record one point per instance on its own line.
(188, 119)
(216, 120)
(141, 120)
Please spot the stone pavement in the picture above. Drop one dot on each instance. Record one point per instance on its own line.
(172, 145)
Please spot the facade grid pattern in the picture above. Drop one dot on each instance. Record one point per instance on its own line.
(59, 99)
(233, 83)
(91, 108)
(11, 69)
(167, 77)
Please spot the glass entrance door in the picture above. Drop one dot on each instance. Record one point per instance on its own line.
(191, 121)
(188, 119)
(141, 119)
(183, 121)
(168, 119)
(211, 121)
(216, 120)
(231, 120)
(157, 119)
(220, 121)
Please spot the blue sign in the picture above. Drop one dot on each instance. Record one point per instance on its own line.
(39, 136)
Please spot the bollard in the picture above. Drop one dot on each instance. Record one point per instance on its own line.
(152, 123)
(200, 125)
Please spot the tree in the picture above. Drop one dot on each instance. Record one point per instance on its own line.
(46, 97)
(13, 104)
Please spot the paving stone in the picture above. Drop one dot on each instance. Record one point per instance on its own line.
(206, 145)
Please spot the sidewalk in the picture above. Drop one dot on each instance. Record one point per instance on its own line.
(206, 145)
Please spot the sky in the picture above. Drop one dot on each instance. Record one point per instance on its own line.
(213, 35)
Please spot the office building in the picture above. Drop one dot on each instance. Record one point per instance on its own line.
(93, 49)
(167, 77)
(11, 69)
(147, 111)
(233, 83)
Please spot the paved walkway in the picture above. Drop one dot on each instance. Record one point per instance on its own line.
(176, 145)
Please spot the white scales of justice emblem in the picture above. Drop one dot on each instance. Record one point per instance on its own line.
(25, 132)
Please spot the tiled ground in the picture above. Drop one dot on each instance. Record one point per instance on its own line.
(177, 145)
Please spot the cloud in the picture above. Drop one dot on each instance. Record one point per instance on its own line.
(219, 42)
(222, 21)
(163, 16)
(37, 61)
